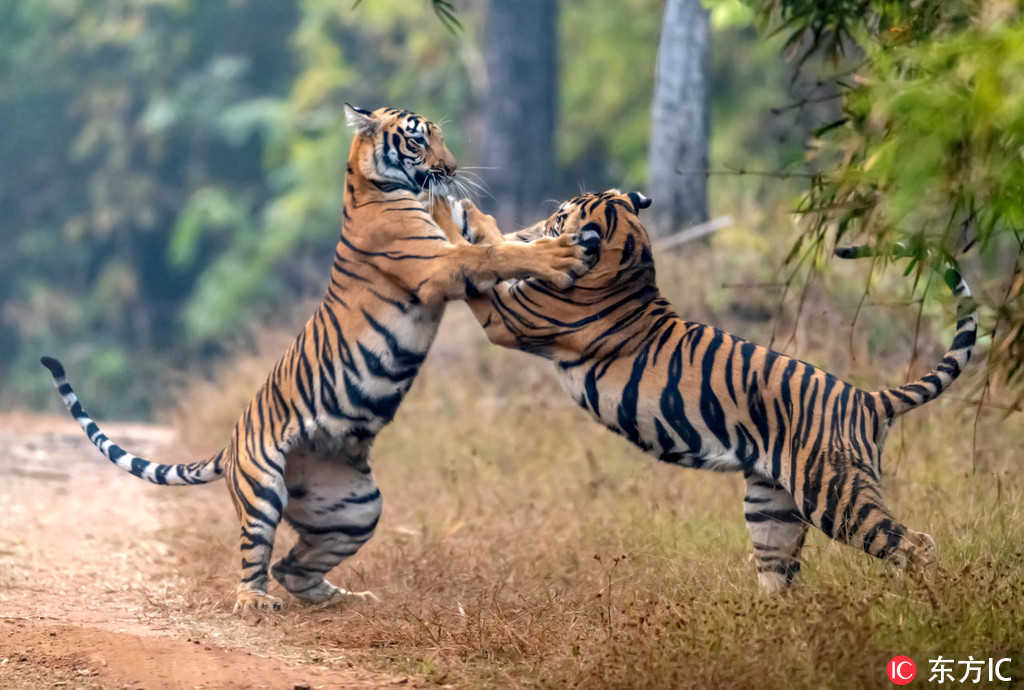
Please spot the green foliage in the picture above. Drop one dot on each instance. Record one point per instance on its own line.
(927, 151)
(165, 168)
(607, 78)
(936, 133)
(112, 114)
(608, 54)
(171, 169)
(444, 10)
(836, 27)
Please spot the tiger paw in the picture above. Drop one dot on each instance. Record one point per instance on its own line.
(345, 595)
(253, 600)
(482, 226)
(916, 552)
(774, 582)
(567, 259)
(475, 226)
(457, 209)
(325, 594)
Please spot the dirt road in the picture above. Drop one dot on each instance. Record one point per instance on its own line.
(87, 564)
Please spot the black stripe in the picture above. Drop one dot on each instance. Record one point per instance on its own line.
(403, 356)
(964, 339)
(710, 408)
(672, 408)
(630, 397)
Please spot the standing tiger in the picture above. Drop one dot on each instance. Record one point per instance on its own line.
(808, 444)
(300, 450)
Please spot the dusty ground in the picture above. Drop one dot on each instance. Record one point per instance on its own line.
(84, 564)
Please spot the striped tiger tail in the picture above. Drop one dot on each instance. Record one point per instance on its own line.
(200, 472)
(901, 399)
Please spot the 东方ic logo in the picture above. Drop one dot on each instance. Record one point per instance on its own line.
(901, 670)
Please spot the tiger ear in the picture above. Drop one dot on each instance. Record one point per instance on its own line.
(639, 201)
(361, 120)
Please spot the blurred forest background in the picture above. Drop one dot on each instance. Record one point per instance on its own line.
(170, 170)
(170, 195)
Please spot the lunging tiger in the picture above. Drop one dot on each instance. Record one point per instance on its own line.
(300, 450)
(808, 444)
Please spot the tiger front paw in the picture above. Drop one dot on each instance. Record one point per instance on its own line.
(565, 257)
(477, 227)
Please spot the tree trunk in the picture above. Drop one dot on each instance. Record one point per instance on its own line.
(680, 122)
(517, 141)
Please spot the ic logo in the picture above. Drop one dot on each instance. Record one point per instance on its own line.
(901, 670)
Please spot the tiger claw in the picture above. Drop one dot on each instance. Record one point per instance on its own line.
(343, 596)
(250, 600)
(459, 217)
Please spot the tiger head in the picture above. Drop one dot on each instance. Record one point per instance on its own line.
(398, 150)
(607, 223)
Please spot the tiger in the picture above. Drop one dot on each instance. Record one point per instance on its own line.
(808, 444)
(299, 452)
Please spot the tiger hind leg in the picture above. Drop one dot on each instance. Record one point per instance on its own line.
(777, 530)
(258, 491)
(334, 507)
(850, 509)
(302, 571)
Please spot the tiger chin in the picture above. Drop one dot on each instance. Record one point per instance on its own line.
(808, 444)
(300, 450)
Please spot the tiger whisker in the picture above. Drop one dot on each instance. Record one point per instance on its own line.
(431, 194)
(470, 175)
(482, 188)
(458, 188)
(476, 186)
(470, 192)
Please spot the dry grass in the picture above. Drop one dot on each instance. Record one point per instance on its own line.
(522, 545)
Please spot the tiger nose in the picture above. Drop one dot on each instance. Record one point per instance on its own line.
(449, 168)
